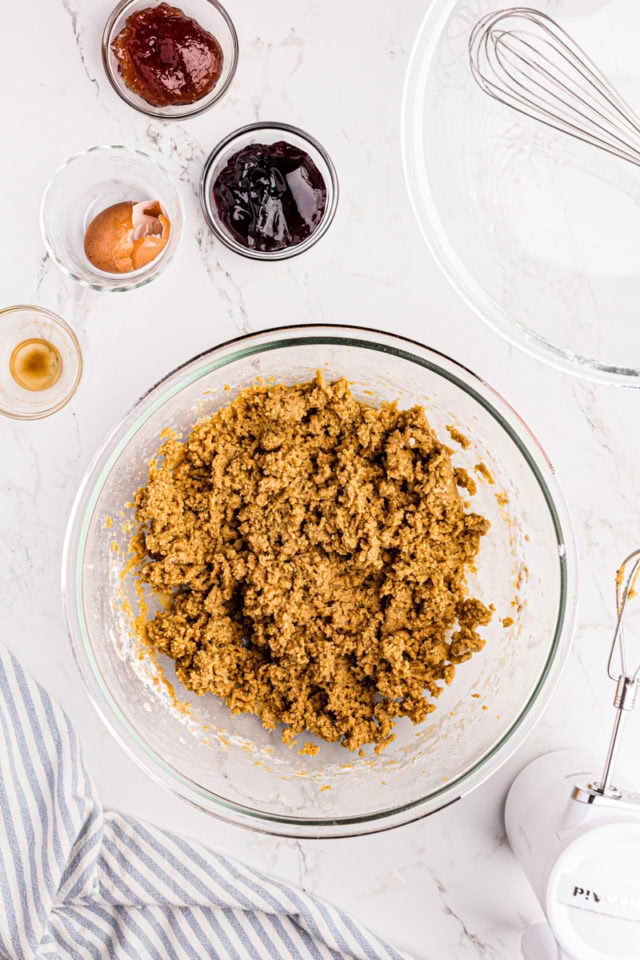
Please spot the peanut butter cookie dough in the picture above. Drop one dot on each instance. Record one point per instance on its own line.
(311, 553)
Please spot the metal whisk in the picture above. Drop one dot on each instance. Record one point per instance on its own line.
(626, 676)
(524, 59)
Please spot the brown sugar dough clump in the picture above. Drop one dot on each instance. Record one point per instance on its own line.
(311, 552)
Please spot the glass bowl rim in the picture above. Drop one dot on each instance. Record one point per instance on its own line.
(57, 321)
(208, 207)
(111, 448)
(412, 127)
(158, 112)
(138, 278)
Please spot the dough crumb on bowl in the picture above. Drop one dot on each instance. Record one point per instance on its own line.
(310, 553)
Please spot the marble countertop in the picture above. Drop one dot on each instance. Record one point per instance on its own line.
(447, 886)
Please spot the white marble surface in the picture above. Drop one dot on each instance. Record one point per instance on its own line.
(447, 886)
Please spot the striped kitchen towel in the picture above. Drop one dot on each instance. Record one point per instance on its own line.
(78, 883)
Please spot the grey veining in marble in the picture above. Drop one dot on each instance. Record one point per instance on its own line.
(447, 886)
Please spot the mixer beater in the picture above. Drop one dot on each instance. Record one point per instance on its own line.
(577, 838)
(627, 679)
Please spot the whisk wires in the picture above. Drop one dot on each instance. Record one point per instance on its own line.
(524, 59)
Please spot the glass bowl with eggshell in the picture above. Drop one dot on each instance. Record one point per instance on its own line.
(229, 764)
(111, 218)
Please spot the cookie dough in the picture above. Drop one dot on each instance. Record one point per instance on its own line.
(310, 551)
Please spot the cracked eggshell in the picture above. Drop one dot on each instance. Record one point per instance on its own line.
(127, 236)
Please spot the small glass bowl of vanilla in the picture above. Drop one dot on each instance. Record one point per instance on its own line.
(40, 362)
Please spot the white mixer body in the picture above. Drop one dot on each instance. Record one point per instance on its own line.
(582, 860)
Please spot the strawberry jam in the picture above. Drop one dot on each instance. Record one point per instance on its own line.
(270, 196)
(166, 57)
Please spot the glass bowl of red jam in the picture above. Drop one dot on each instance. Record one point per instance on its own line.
(269, 191)
(170, 60)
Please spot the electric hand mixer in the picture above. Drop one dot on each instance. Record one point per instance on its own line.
(578, 839)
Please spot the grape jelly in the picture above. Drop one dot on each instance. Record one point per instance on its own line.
(270, 196)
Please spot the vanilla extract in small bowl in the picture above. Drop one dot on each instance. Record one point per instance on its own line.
(40, 362)
(35, 364)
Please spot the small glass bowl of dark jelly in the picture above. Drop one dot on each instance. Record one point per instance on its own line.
(269, 191)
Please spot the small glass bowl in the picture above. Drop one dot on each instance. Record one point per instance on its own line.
(211, 16)
(88, 183)
(19, 325)
(266, 133)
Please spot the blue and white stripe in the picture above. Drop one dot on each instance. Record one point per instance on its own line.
(79, 884)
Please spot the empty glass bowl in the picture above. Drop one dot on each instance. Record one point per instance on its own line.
(211, 16)
(229, 765)
(89, 183)
(40, 362)
(267, 133)
(539, 232)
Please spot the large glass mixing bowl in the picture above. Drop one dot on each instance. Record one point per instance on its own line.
(228, 764)
(539, 232)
